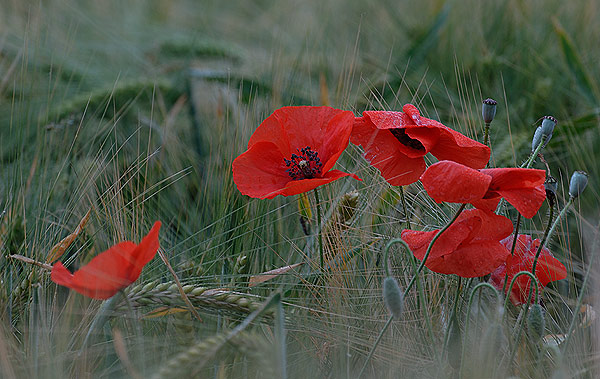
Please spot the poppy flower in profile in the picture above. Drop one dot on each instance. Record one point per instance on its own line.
(548, 268)
(396, 142)
(112, 270)
(293, 151)
(454, 183)
(469, 248)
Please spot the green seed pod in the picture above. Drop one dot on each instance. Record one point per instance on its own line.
(536, 323)
(393, 297)
(579, 181)
(544, 130)
(488, 110)
(548, 124)
(551, 186)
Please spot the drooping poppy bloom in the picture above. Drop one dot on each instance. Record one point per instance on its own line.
(293, 151)
(111, 270)
(455, 183)
(396, 142)
(548, 268)
(470, 247)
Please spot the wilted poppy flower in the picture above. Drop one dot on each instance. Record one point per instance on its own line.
(395, 143)
(111, 270)
(470, 247)
(293, 151)
(454, 183)
(548, 268)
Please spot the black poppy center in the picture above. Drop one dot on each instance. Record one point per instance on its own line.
(404, 139)
(304, 165)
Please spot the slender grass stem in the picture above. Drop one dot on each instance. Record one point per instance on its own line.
(512, 248)
(452, 316)
(477, 287)
(319, 229)
(579, 299)
(410, 284)
(524, 310)
(406, 215)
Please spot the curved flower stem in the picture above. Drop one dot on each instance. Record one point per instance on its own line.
(480, 285)
(406, 216)
(544, 238)
(486, 133)
(512, 283)
(319, 228)
(411, 283)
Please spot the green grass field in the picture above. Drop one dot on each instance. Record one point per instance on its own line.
(132, 112)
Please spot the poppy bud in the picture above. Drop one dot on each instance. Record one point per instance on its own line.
(488, 110)
(393, 296)
(551, 185)
(579, 180)
(536, 323)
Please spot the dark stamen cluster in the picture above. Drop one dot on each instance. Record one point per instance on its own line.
(305, 165)
(404, 139)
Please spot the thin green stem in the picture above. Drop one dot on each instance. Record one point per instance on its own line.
(319, 230)
(412, 281)
(544, 239)
(486, 133)
(480, 285)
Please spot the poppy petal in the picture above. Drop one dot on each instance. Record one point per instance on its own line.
(454, 183)
(419, 241)
(106, 273)
(295, 187)
(526, 201)
(260, 171)
(493, 227)
(523, 188)
(325, 130)
(272, 130)
(145, 251)
(397, 124)
(383, 151)
(472, 260)
(452, 145)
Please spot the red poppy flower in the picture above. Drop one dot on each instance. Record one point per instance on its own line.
(111, 270)
(454, 183)
(293, 151)
(395, 143)
(470, 247)
(548, 268)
